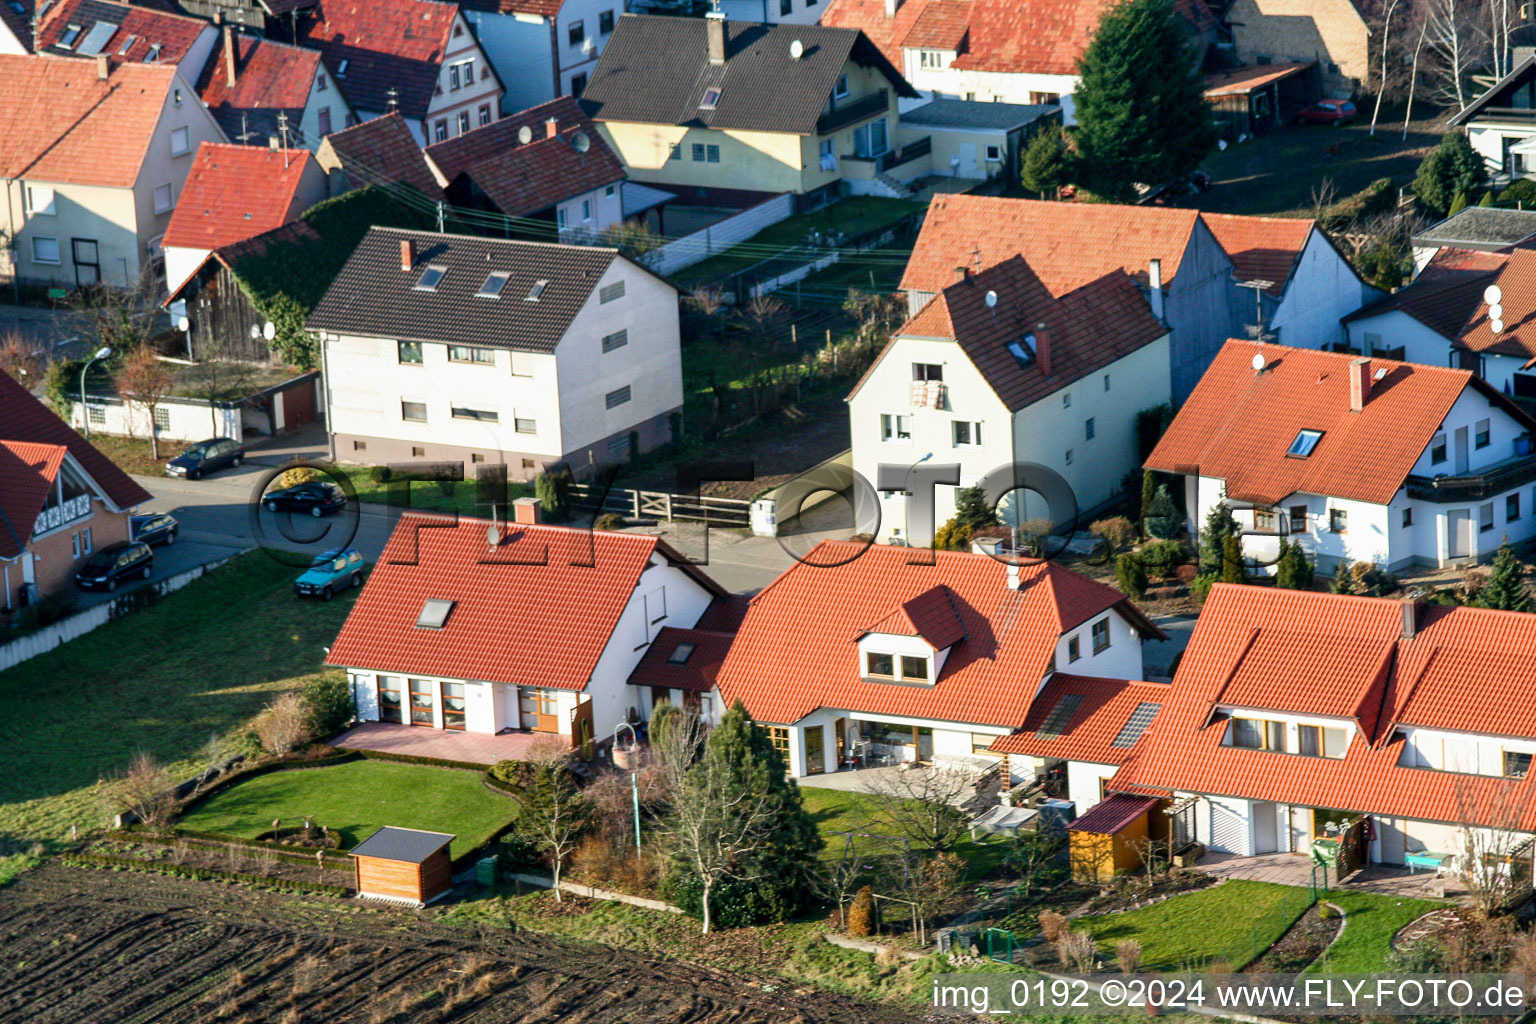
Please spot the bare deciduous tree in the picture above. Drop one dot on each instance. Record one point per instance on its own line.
(1490, 814)
(21, 358)
(146, 380)
(121, 318)
(553, 814)
(1451, 38)
(283, 725)
(1381, 85)
(143, 790)
(923, 804)
(939, 881)
(220, 376)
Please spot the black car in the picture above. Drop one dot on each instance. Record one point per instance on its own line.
(160, 529)
(205, 457)
(111, 565)
(314, 497)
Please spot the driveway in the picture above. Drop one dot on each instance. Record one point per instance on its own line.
(185, 554)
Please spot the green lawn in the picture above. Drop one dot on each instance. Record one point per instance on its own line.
(1372, 921)
(838, 810)
(163, 679)
(1234, 922)
(358, 798)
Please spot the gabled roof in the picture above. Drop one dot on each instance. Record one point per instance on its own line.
(522, 179)
(1519, 75)
(1097, 730)
(1441, 299)
(372, 296)
(1485, 228)
(537, 609)
(1262, 248)
(1039, 37)
(683, 659)
(18, 23)
(655, 70)
(60, 123)
(1451, 262)
(271, 78)
(930, 615)
(397, 45)
(1089, 328)
(1516, 282)
(124, 34)
(890, 33)
(381, 151)
(34, 440)
(1463, 669)
(538, 8)
(798, 648)
(1238, 423)
(1066, 244)
(235, 192)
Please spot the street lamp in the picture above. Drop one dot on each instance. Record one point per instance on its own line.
(85, 414)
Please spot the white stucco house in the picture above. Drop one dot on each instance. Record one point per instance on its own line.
(1501, 123)
(542, 49)
(1363, 459)
(477, 350)
(997, 370)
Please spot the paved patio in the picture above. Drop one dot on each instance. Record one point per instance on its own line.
(418, 741)
(1292, 869)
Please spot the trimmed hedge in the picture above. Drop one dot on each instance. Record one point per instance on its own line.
(278, 850)
(434, 762)
(266, 768)
(97, 860)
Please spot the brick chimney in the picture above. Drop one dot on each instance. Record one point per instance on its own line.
(525, 511)
(1359, 384)
(551, 127)
(714, 27)
(229, 55)
(103, 67)
(962, 274)
(407, 254)
(1043, 348)
(1410, 609)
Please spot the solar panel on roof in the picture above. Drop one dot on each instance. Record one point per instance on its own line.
(1056, 722)
(97, 38)
(1137, 724)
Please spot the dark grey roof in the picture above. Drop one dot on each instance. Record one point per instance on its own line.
(373, 297)
(1480, 227)
(655, 70)
(975, 114)
(408, 844)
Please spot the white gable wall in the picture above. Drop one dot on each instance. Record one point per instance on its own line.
(1393, 328)
(1323, 288)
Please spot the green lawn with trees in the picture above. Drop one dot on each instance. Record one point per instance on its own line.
(1234, 922)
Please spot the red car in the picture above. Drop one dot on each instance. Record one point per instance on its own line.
(1334, 112)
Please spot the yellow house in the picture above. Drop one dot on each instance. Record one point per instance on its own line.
(727, 113)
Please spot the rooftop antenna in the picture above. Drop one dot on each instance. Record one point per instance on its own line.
(1257, 327)
(282, 131)
(439, 216)
(975, 259)
(246, 135)
(394, 99)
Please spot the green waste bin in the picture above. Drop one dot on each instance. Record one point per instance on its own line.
(485, 871)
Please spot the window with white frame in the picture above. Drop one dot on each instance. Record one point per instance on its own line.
(841, 88)
(40, 201)
(1485, 517)
(995, 154)
(967, 433)
(1088, 428)
(45, 249)
(415, 412)
(895, 428)
(525, 425)
(163, 199)
(930, 60)
(1101, 635)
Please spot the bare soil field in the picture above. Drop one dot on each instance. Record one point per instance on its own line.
(86, 945)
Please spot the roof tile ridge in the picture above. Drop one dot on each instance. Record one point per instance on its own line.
(1253, 638)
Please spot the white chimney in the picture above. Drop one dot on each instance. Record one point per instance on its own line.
(891, 7)
(103, 67)
(1013, 576)
(714, 28)
(1155, 287)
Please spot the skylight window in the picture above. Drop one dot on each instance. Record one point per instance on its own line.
(494, 283)
(97, 38)
(680, 654)
(431, 278)
(1056, 722)
(1023, 350)
(711, 99)
(341, 69)
(434, 613)
(1136, 724)
(536, 291)
(153, 54)
(71, 33)
(127, 45)
(18, 6)
(1305, 441)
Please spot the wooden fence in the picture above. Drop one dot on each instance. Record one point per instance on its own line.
(662, 505)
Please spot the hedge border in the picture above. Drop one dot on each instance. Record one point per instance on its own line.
(265, 768)
(102, 861)
(280, 851)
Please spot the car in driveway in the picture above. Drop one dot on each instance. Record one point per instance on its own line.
(1334, 112)
(116, 564)
(335, 570)
(315, 497)
(205, 457)
(156, 529)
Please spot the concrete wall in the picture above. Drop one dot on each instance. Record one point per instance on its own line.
(700, 245)
(1330, 32)
(190, 420)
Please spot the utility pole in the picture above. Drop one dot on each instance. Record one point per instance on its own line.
(282, 131)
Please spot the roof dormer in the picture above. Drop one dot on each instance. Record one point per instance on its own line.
(909, 645)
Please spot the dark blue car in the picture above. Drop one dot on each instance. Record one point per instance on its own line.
(156, 529)
(205, 457)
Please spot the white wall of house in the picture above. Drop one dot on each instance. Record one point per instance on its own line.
(1392, 328)
(579, 59)
(774, 12)
(442, 120)
(519, 47)
(166, 164)
(1121, 659)
(1323, 289)
(946, 82)
(9, 43)
(588, 214)
(324, 96)
(185, 419)
(1084, 782)
(1487, 137)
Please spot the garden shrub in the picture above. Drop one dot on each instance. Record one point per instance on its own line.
(1200, 586)
(861, 914)
(514, 773)
(734, 904)
(47, 611)
(328, 703)
(1131, 575)
(1162, 558)
(380, 474)
(1521, 192)
(554, 492)
(609, 521)
(1117, 531)
(1162, 519)
(1128, 955)
(953, 536)
(518, 851)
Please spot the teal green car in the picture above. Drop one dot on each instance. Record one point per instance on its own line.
(335, 570)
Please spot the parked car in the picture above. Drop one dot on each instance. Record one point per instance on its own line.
(205, 457)
(315, 497)
(1334, 112)
(160, 529)
(111, 565)
(332, 571)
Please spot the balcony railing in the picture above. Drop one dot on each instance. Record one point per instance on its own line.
(1507, 114)
(55, 516)
(859, 110)
(892, 157)
(1481, 486)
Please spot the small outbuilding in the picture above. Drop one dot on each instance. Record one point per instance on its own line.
(1110, 838)
(404, 865)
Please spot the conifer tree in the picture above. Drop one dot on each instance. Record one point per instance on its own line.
(1505, 588)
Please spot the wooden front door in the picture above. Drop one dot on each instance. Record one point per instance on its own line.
(422, 700)
(539, 709)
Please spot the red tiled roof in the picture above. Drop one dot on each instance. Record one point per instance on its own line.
(1089, 735)
(540, 8)
(32, 435)
(270, 78)
(1261, 248)
(397, 45)
(1517, 281)
(1450, 262)
(697, 674)
(930, 615)
(1463, 669)
(1038, 37)
(724, 614)
(382, 151)
(1112, 814)
(798, 648)
(173, 33)
(60, 123)
(1237, 424)
(235, 192)
(537, 610)
(887, 33)
(525, 179)
(939, 26)
(1066, 244)
(1443, 300)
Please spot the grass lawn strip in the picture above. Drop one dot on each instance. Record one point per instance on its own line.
(358, 798)
(1371, 919)
(842, 810)
(1236, 922)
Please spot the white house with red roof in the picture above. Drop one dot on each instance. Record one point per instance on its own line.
(999, 370)
(233, 193)
(887, 653)
(1294, 717)
(543, 49)
(490, 626)
(263, 92)
(1364, 459)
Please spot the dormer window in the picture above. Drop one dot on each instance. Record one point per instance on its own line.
(1023, 350)
(1305, 441)
(341, 69)
(880, 665)
(711, 99)
(71, 33)
(914, 668)
(1281, 737)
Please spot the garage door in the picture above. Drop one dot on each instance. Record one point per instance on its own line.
(1229, 826)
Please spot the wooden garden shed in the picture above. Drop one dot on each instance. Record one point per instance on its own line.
(404, 865)
(1108, 839)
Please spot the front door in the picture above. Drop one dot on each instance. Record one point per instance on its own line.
(1266, 835)
(1461, 451)
(815, 752)
(1458, 529)
(421, 702)
(87, 258)
(539, 710)
(968, 167)
(1301, 830)
(840, 730)
(389, 699)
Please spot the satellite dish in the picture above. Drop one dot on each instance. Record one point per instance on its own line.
(182, 323)
(1258, 362)
(1496, 312)
(493, 535)
(796, 50)
(1497, 326)
(581, 142)
(1493, 295)
(269, 330)
(255, 331)
(991, 300)
(525, 135)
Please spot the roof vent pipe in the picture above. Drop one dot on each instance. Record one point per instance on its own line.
(1155, 287)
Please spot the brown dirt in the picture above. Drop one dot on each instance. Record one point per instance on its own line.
(86, 945)
(1302, 943)
(223, 857)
